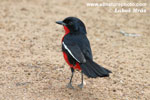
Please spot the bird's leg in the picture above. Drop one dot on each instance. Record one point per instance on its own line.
(70, 83)
(81, 85)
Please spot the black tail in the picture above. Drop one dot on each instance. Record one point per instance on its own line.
(93, 70)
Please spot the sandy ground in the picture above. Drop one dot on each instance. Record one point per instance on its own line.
(32, 65)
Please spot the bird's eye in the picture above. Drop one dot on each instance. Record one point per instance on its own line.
(70, 23)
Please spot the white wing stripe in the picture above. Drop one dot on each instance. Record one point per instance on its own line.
(70, 52)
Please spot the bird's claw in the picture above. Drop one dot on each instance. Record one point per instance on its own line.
(80, 85)
(70, 86)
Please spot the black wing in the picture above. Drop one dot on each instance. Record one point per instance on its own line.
(74, 50)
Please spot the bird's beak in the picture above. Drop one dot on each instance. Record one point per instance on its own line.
(61, 23)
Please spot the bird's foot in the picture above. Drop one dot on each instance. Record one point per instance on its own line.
(80, 85)
(70, 86)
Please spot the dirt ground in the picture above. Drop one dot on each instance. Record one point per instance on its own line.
(32, 65)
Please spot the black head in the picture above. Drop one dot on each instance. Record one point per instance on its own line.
(74, 24)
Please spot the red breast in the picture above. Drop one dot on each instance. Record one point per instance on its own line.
(77, 66)
(66, 32)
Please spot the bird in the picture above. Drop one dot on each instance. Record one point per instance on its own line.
(77, 51)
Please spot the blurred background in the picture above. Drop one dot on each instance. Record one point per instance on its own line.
(31, 61)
